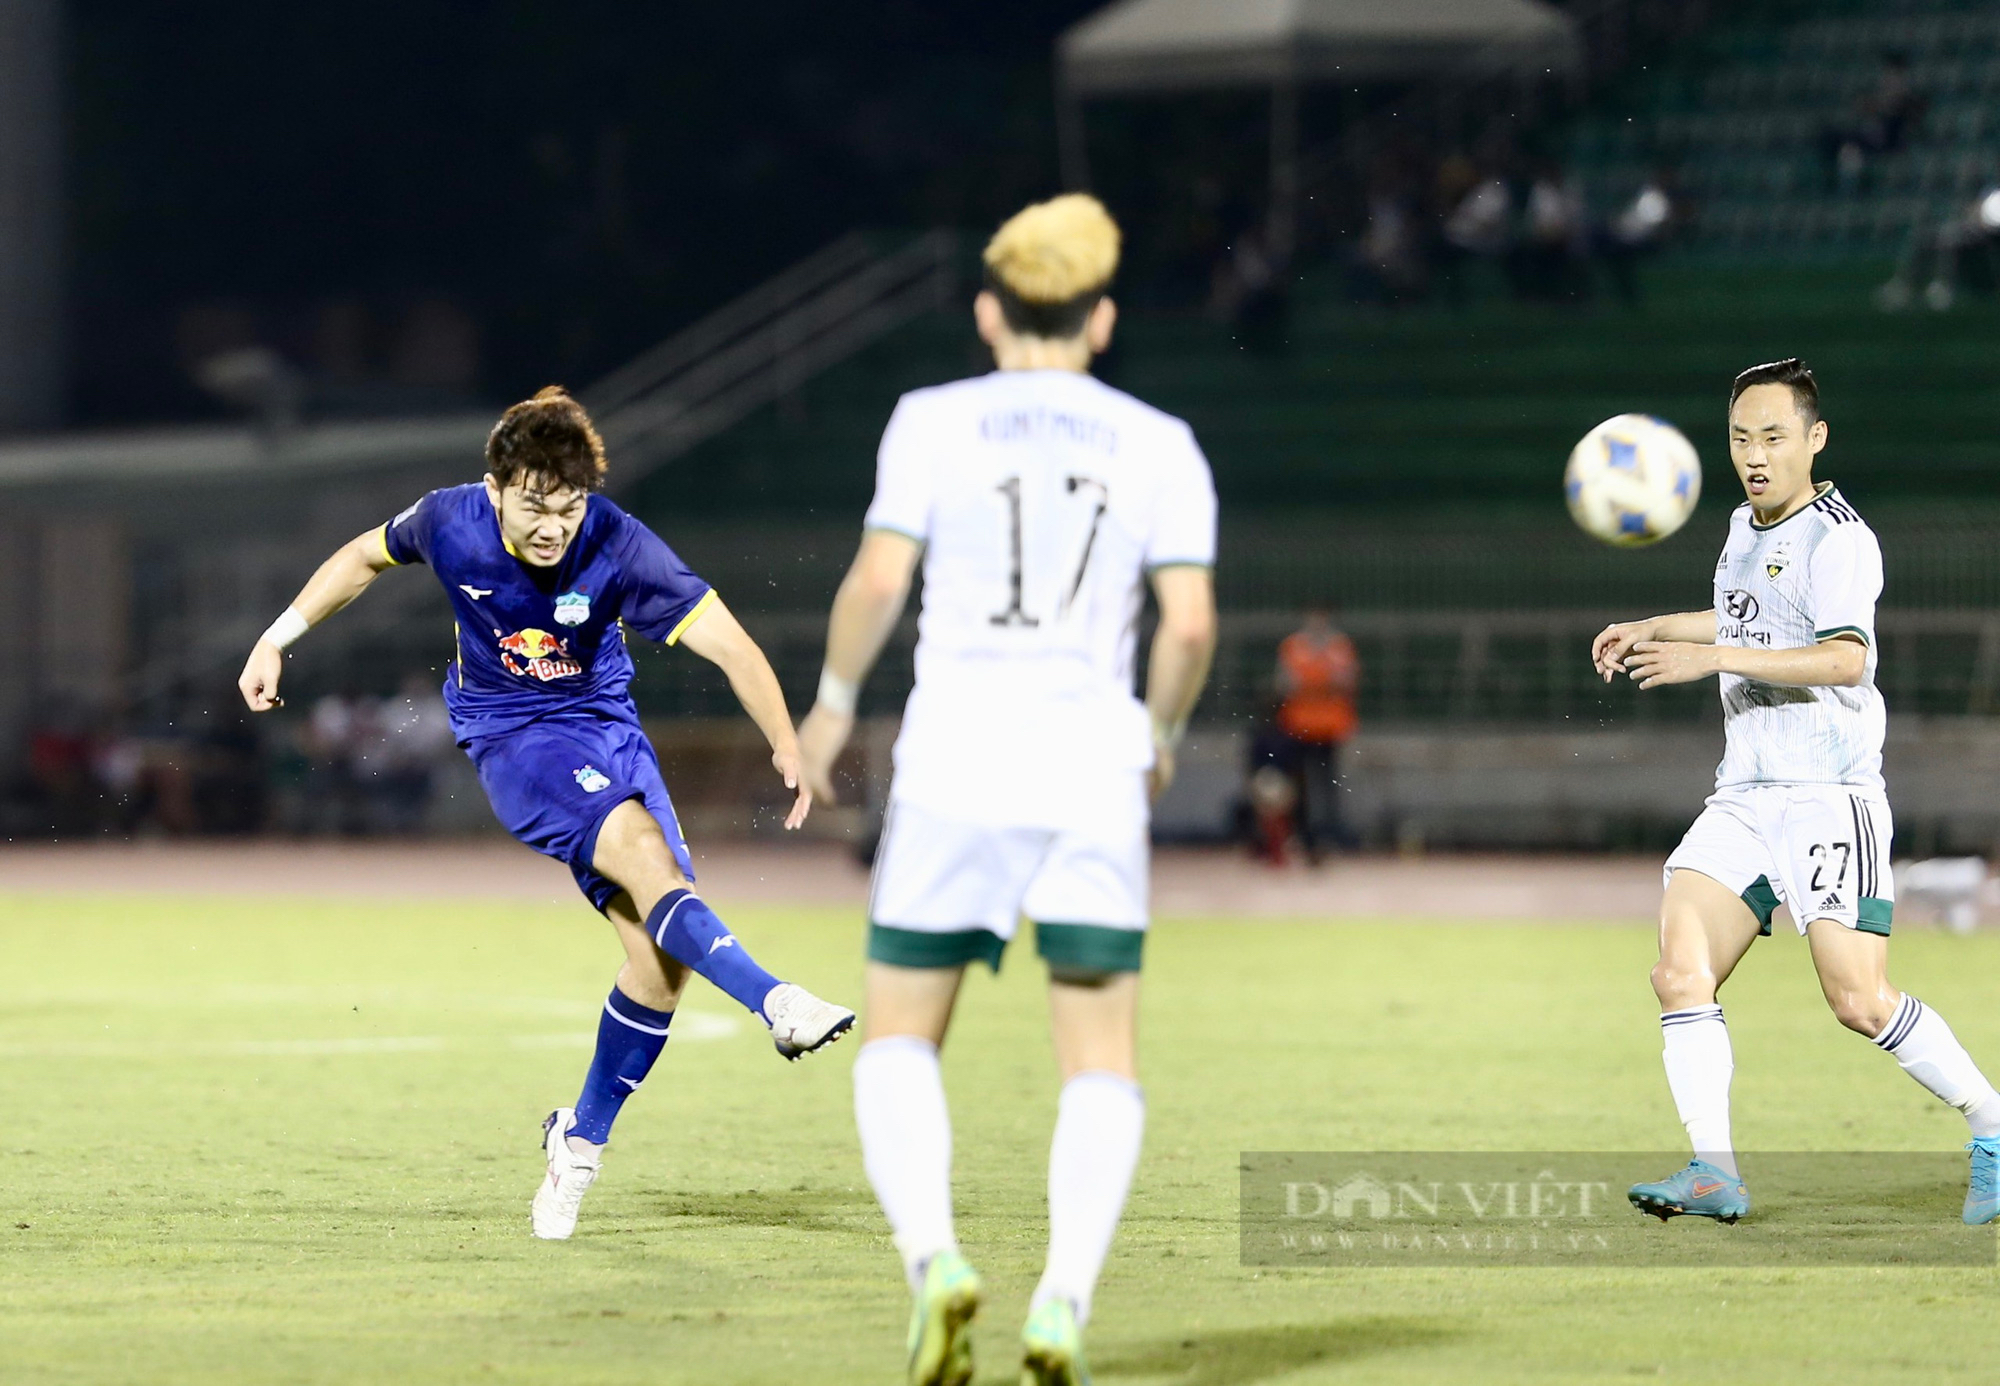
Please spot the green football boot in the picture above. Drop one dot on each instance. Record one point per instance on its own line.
(1052, 1347)
(940, 1322)
(1982, 1194)
(1699, 1191)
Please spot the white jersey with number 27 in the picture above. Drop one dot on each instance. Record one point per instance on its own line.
(1042, 499)
(1813, 576)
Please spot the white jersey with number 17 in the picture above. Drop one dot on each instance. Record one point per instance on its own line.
(1042, 498)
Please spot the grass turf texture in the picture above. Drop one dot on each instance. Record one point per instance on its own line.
(287, 1141)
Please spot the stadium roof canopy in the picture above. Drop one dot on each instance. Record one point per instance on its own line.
(1141, 46)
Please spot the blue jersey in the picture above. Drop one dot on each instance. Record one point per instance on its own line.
(541, 642)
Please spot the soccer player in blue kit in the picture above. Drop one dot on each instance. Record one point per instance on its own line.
(545, 578)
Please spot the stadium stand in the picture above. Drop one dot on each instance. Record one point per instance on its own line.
(1746, 120)
(1505, 387)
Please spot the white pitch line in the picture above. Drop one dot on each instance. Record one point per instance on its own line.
(344, 998)
(690, 1029)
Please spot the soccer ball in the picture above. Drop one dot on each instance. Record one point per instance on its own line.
(1632, 480)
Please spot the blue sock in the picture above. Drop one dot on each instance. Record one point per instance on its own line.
(629, 1038)
(689, 933)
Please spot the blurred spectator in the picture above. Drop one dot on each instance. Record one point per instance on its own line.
(65, 792)
(1386, 266)
(415, 736)
(1249, 291)
(1388, 261)
(1318, 675)
(1951, 888)
(1955, 254)
(1881, 124)
(1638, 230)
(1479, 225)
(1272, 799)
(1548, 260)
(334, 735)
(371, 764)
(225, 779)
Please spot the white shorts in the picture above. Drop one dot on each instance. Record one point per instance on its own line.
(1823, 850)
(947, 893)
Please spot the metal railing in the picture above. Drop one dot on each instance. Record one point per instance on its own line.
(1525, 668)
(1419, 668)
(766, 344)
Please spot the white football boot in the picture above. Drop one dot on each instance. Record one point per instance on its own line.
(800, 1022)
(570, 1177)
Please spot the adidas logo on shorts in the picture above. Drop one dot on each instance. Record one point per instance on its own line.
(1832, 902)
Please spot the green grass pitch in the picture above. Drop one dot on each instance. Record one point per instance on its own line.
(285, 1141)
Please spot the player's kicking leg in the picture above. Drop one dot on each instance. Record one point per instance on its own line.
(1853, 972)
(1705, 929)
(1100, 1120)
(899, 1107)
(663, 943)
(631, 1032)
(632, 851)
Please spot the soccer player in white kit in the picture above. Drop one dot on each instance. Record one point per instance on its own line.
(1040, 502)
(1798, 814)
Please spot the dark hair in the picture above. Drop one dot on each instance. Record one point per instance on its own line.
(1790, 372)
(1053, 320)
(549, 436)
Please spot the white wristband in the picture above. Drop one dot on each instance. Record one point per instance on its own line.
(1168, 736)
(836, 694)
(287, 628)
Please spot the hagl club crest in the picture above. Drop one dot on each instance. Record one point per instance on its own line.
(572, 608)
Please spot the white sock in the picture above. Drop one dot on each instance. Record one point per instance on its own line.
(1096, 1147)
(1699, 1067)
(1930, 1053)
(906, 1144)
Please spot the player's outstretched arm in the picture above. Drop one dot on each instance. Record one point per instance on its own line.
(865, 610)
(1615, 641)
(1839, 662)
(718, 637)
(1183, 648)
(339, 580)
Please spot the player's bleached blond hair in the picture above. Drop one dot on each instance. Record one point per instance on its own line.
(1049, 263)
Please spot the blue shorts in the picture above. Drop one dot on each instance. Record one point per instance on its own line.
(553, 783)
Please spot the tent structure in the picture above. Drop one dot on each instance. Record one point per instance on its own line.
(1150, 47)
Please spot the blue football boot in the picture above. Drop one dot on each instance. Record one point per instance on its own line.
(1700, 1191)
(1982, 1194)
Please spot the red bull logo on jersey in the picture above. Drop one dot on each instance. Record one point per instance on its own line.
(536, 654)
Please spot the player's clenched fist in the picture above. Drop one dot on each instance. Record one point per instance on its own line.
(259, 680)
(1614, 642)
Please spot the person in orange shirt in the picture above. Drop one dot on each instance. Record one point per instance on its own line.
(1318, 675)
